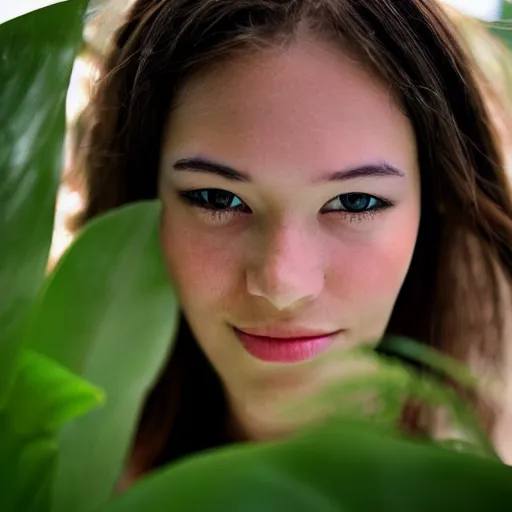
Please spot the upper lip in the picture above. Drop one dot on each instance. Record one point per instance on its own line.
(285, 332)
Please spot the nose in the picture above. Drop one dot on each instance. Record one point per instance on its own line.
(287, 268)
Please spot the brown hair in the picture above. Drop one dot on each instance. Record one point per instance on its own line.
(451, 294)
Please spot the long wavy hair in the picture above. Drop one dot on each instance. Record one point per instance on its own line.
(452, 295)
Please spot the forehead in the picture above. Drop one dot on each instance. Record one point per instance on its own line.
(309, 106)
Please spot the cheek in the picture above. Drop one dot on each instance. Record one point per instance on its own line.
(368, 275)
(203, 270)
(386, 263)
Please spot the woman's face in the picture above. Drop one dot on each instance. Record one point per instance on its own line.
(291, 196)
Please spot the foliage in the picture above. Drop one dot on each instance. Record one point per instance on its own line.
(37, 54)
(107, 303)
(503, 28)
(80, 349)
(342, 466)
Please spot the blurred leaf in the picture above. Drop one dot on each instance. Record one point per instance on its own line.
(503, 28)
(26, 470)
(14, 9)
(108, 314)
(46, 395)
(10, 452)
(376, 385)
(339, 466)
(430, 388)
(507, 10)
(36, 471)
(420, 354)
(432, 392)
(366, 386)
(36, 57)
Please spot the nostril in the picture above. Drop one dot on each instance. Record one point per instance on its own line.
(288, 290)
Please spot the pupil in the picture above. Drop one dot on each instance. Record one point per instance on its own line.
(357, 202)
(222, 199)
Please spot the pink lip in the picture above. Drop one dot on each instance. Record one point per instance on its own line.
(285, 350)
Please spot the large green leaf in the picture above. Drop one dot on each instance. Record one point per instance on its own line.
(12, 10)
(26, 470)
(36, 470)
(45, 396)
(36, 57)
(10, 450)
(108, 314)
(340, 466)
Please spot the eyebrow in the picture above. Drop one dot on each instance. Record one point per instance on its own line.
(202, 165)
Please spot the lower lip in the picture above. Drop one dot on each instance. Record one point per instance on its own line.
(287, 350)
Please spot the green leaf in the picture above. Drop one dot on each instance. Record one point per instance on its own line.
(26, 470)
(503, 28)
(419, 353)
(10, 451)
(37, 463)
(507, 10)
(46, 395)
(367, 386)
(14, 9)
(339, 466)
(36, 57)
(375, 387)
(432, 390)
(109, 314)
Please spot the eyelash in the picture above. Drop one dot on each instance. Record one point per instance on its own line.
(196, 198)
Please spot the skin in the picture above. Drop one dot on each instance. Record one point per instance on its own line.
(287, 118)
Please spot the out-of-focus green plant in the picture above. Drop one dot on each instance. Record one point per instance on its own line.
(106, 314)
(341, 466)
(503, 28)
(33, 78)
(36, 394)
(81, 348)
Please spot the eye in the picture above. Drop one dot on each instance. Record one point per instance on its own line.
(214, 199)
(215, 206)
(355, 203)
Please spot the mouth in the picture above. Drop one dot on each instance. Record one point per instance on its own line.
(295, 347)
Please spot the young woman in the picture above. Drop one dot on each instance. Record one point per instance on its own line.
(329, 174)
